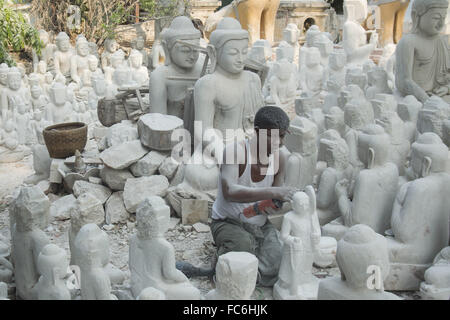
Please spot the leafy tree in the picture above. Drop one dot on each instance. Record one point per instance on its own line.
(15, 33)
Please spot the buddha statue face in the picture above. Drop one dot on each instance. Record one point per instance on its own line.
(140, 43)
(183, 55)
(14, 79)
(136, 59)
(93, 63)
(63, 42)
(433, 21)
(82, 47)
(111, 45)
(300, 203)
(232, 55)
(35, 92)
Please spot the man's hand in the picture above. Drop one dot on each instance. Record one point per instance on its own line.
(341, 188)
(285, 193)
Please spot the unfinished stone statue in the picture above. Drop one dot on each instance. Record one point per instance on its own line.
(374, 188)
(423, 59)
(10, 150)
(354, 36)
(79, 63)
(60, 109)
(52, 265)
(27, 215)
(22, 121)
(310, 37)
(302, 143)
(333, 91)
(229, 97)
(437, 278)
(312, 76)
(325, 46)
(13, 96)
(354, 119)
(336, 66)
(157, 55)
(38, 99)
(111, 46)
(432, 116)
(139, 71)
(40, 73)
(291, 34)
(63, 56)
(152, 257)
(335, 120)
(378, 83)
(93, 245)
(338, 168)
(283, 85)
(399, 149)
(139, 45)
(236, 274)
(47, 52)
(301, 237)
(117, 60)
(408, 110)
(169, 83)
(415, 238)
(3, 291)
(360, 249)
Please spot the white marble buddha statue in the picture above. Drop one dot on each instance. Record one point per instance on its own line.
(170, 82)
(374, 188)
(229, 97)
(111, 46)
(139, 71)
(63, 56)
(415, 239)
(422, 56)
(60, 109)
(47, 54)
(354, 36)
(14, 95)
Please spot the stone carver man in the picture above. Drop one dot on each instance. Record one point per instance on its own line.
(242, 183)
(423, 59)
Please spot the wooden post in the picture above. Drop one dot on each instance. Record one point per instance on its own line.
(137, 12)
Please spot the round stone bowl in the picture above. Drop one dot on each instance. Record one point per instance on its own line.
(63, 139)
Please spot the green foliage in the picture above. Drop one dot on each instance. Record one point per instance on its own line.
(158, 8)
(15, 33)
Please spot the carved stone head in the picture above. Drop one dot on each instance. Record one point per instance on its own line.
(311, 35)
(428, 155)
(35, 91)
(58, 94)
(99, 85)
(230, 44)
(428, 16)
(335, 149)
(63, 42)
(312, 57)
(354, 117)
(360, 248)
(373, 146)
(236, 274)
(111, 45)
(409, 108)
(357, 77)
(334, 119)
(337, 60)
(93, 63)
(434, 112)
(92, 246)
(377, 77)
(52, 262)
(82, 47)
(152, 218)
(180, 54)
(14, 79)
(302, 137)
(283, 69)
(42, 67)
(117, 58)
(285, 51)
(301, 204)
(135, 59)
(291, 34)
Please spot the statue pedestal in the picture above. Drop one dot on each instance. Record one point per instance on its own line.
(405, 277)
(297, 11)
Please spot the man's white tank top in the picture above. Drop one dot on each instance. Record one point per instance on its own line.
(226, 209)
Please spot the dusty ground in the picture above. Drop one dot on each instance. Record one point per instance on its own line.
(190, 246)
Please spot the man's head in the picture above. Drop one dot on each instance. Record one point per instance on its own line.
(272, 122)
